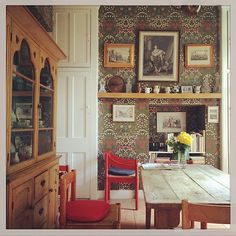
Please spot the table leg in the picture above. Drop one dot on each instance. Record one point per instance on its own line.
(167, 218)
(148, 217)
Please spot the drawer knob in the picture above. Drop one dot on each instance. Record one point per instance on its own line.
(51, 190)
(41, 211)
(43, 182)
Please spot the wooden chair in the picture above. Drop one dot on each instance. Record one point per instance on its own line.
(63, 169)
(84, 214)
(204, 213)
(119, 170)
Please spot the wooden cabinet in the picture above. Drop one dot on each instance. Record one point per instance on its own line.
(53, 196)
(21, 205)
(32, 58)
(32, 196)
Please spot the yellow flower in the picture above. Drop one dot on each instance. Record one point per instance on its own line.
(185, 138)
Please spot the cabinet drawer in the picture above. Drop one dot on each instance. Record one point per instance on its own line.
(40, 212)
(41, 185)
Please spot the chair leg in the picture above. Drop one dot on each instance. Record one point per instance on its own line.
(192, 224)
(203, 225)
(136, 196)
(106, 190)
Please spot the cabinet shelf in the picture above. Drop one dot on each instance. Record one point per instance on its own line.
(22, 93)
(162, 95)
(22, 130)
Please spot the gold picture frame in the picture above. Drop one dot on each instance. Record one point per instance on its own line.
(199, 55)
(118, 55)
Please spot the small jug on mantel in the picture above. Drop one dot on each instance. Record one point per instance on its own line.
(148, 90)
(157, 89)
(197, 88)
(175, 88)
(129, 86)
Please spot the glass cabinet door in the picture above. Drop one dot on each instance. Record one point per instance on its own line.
(45, 119)
(22, 109)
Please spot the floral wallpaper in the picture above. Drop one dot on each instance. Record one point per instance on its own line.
(44, 15)
(121, 24)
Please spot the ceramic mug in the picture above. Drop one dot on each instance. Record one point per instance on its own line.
(167, 89)
(156, 89)
(148, 90)
(197, 88)
(175, 89)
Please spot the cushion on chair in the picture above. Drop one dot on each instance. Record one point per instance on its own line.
(87, 210)
(118, 171)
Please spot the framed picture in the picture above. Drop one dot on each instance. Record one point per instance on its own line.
(186, 89)
(171, 122)
(123, 113)
(198, 55)
(158, 55)
(24, 110)
(213, 114)
(118, 55)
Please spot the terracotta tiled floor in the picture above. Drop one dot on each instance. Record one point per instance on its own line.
(132, 219)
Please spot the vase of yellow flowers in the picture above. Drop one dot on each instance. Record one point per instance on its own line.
(181, 146)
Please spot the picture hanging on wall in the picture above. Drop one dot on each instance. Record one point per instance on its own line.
(158, 55)
(198, 55)
(213, 114)
(118, 55)
(171, 122)
(123, 113)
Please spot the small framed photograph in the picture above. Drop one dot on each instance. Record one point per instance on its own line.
(199, 55)
(124, 113)
(186, 89)
(23, 110)
(213, 114)
(171, 122)
(158, 55)
(118, 55)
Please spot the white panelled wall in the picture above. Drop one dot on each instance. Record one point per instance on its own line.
(76, 32)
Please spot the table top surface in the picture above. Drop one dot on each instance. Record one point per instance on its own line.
(196, 183)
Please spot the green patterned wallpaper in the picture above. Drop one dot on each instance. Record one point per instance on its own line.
(121, 24)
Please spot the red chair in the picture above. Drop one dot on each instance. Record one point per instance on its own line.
(63, 169)
(84, 214)
(119, 170)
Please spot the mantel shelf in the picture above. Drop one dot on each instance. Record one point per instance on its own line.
(162, 95)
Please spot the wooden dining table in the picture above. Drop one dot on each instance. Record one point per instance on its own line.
(165, 187)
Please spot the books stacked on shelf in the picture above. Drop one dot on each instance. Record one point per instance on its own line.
(198, 143)
(162, 159)
(198, 159)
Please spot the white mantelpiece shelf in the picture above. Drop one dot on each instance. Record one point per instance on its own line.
(162, 95)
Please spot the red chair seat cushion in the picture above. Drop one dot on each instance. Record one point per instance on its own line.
(87, 210)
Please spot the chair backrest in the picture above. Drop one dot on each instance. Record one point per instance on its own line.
(204, 213)
(63, 169)
(115, 161)
(67, 192)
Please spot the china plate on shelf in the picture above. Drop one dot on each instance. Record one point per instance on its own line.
(115, 84)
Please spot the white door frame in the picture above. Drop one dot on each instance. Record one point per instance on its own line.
(225, 86)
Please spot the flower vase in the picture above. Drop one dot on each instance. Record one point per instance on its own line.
(183, 156)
